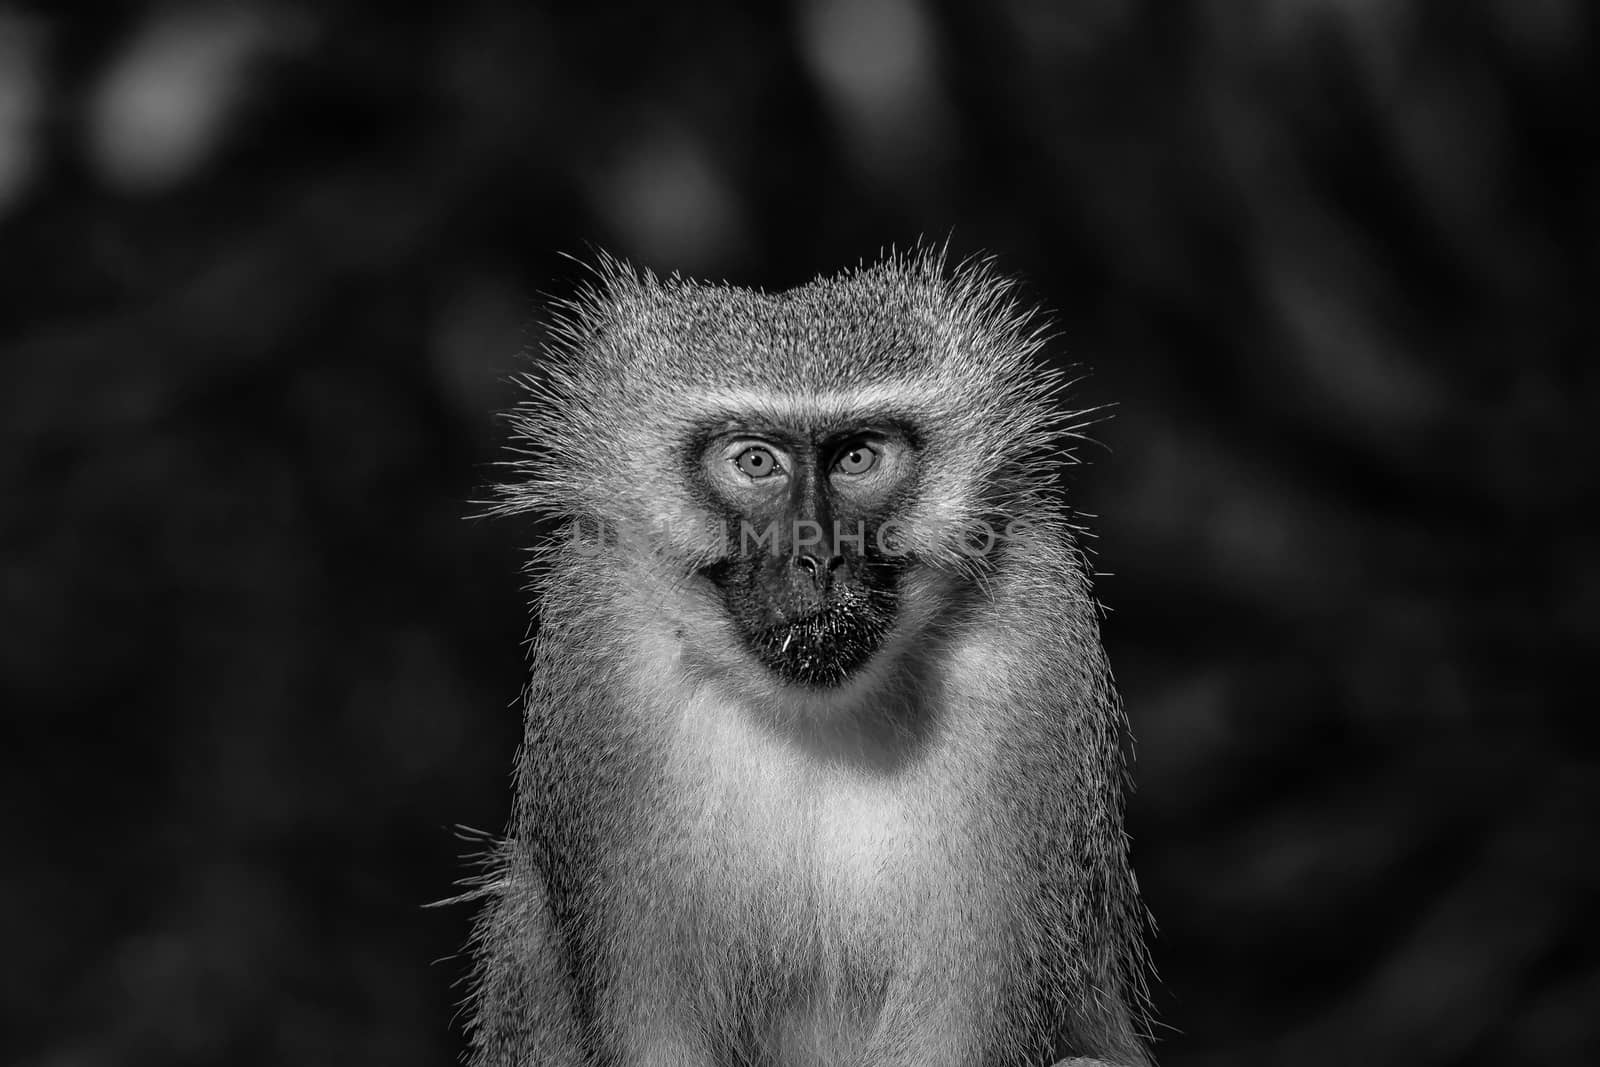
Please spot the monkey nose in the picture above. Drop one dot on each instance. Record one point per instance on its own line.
(820, 570)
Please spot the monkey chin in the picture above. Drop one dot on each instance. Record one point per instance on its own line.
(824, 649)
(854, 683)
(852, 688)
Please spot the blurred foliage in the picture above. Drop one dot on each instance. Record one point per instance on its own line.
(267, 264)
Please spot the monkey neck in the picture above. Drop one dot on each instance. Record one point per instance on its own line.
(937, 678)
(875, 722)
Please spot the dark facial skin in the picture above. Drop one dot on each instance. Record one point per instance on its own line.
(811, 581)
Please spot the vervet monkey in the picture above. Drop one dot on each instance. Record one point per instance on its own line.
(822, 761)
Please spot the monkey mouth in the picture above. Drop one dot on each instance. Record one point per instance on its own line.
(808, 633)
(824, 648)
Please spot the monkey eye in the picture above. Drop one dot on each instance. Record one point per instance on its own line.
(756, 462)
(857, 460)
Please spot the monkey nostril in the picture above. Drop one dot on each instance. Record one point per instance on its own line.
(820, 570)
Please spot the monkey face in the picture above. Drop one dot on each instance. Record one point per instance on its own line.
(812, 574)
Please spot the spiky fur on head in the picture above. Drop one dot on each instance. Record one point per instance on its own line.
(635, 361)
(935, 851)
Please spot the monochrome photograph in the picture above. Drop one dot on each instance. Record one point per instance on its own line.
(834, 533)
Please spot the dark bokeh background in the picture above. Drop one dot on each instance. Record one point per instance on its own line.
(264, 267)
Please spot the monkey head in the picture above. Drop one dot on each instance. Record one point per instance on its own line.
(807, 465)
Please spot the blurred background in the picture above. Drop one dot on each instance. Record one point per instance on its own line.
(264, 269)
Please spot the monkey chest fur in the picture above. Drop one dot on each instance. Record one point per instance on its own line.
(813, 881)
(819, 843)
